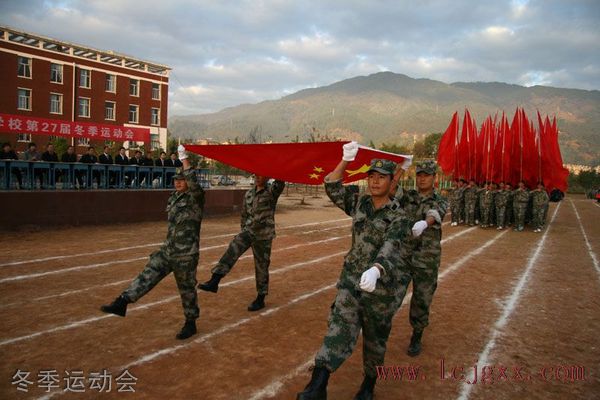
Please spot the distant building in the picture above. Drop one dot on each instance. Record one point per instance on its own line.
(55, 80)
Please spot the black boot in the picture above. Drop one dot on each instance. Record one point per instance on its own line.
(211, 285)
(188, 329)
(317, 387)
(414, 349)
(257, 304)
(117, 307)
(366, 389)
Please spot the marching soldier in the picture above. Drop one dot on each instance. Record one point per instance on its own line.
(520, 202)
(179, 252)
(510, 194)
(425, 208)
(500, 205)
(540, 204)
(258, 232)
(470, 202)
(457, 202)
(486, 200)
(373, 280)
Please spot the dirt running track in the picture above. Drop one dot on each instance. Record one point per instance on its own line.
(526, 304)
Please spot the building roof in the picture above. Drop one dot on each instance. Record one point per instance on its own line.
(72, 49)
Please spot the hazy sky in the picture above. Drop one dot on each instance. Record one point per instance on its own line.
(224, 53)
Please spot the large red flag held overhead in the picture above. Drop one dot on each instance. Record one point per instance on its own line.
(306, 163)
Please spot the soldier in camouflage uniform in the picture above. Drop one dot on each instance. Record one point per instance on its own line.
(257, 231)
(373, 280)
(486, 201)
(540, 203)
(457, 200)
(510, 218)
(178, 254)
(500, 205)
(426, 210)
(520, 202)
(470, 202)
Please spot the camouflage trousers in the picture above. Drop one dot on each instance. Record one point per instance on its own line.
(501, 215)
(470, 213)
(262, 258)
(485, 214)
(510, 219)
(539, 217)
(424, 281)
(352, 311)
(519, 213)
(456, 212)
(160, 266)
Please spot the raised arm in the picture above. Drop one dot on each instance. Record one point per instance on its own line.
(190, 176)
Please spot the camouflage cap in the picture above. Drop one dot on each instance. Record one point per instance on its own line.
(382, 166)
(178, 174)
(427, 166)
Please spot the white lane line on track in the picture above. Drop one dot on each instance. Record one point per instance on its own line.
(207, 336)
(159, 302)
(108, 263)
(277, 384)
(587, 242)
(153, 355)
(509, 306)
(71, 292)
(156, 244)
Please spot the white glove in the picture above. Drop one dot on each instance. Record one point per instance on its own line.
(419, 227)
(181, 152)
(406, 163)
(350, 150)
(368, 280)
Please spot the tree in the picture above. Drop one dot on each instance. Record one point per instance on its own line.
(394, 148)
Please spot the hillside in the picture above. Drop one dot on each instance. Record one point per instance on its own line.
(389, 107)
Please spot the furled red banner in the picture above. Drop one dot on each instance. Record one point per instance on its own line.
(306, 163)
(41, 126)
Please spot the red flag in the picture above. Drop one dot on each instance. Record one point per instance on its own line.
(306, 163)
(448, 147)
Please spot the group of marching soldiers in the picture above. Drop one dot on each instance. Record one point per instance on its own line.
(498, 204)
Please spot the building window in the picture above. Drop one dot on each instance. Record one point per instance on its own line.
(155, 91)
(155, 118)
(56, 103)
(24, 99)
(56, 73)
(109, 110)
(83, 141)
(24, 68)
(84, 107)
(134, 87)
(133, 114)
(24, 137)
(155, 144)
(85, 78)
(111, 83)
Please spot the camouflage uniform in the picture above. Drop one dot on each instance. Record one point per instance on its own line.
(258, 232)
(520, 202)
(378, 236)
(457, 204)
(501, 201)
(510, 215)
(426, 251)
(478, 211)
(470, 202)
(540, 203)
(486, 202)
(179, 252)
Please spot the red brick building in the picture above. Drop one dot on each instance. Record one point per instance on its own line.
(48, 78)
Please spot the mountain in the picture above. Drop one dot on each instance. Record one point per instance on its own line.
(393, 108)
